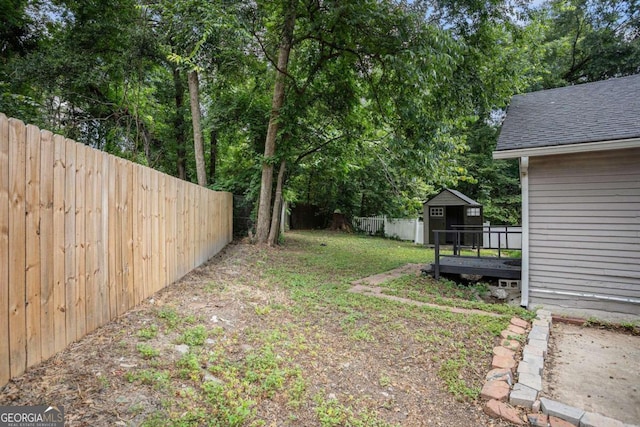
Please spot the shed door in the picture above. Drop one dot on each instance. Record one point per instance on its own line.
(455, 216)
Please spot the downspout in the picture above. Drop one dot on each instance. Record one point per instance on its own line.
(524, 184)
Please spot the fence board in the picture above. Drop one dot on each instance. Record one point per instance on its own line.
(17, 252)
(128, 212)
(91, 288)
(5, 367)
(154, 235)
(81, 278)
(114, 275)
(47, 306)
(162, 243)
(85, 236)
(59, 297)
(32, 273)
(70, 280)
(137, 232)
(102, 194)
(114, 261)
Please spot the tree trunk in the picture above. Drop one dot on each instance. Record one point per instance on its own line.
(178, 124)
(274, 233)
(264, 206)
(198, 144)
(213, 155)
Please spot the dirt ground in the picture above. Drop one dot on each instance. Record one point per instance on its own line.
(595, 369)
(395, 379)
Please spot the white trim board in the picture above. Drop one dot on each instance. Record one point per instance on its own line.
(584, 147)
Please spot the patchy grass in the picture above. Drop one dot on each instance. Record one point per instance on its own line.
(275, 338)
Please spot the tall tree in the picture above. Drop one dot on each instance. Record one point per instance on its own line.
(198, 140)
(264, 206)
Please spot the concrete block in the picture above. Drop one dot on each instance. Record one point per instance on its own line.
(538, 333)
(560, 410)
(533, 360)
(529, 368)
(543, 313)
(531, 380)
(530, 350)
(524, 396)
(591, 419)
(540, 345)
(544, 324)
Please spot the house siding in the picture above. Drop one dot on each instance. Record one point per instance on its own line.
(585, 231)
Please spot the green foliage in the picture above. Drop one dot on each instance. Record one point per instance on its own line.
(146, 351)
(195, 336)
(148, 333)
(451, 373)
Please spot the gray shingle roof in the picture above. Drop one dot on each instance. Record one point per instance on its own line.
(464, 198)
(601, 111)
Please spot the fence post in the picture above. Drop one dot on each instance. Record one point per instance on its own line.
(436, 265)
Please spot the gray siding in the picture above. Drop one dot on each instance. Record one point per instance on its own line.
(585, 230)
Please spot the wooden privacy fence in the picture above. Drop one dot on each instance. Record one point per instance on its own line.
(85, 236)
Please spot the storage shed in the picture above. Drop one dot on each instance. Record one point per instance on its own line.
(579, 153)
(448, 209)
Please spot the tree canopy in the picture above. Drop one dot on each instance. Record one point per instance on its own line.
(367, 107)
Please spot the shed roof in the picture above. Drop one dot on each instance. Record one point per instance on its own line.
(444, 198)
(608, 110)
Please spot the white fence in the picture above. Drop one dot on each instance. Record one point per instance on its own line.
(503, 236)
(493, 236)
(403, 229)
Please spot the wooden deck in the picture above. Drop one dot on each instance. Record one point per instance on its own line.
(501, 268)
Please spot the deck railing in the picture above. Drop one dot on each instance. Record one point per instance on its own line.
(476, 231)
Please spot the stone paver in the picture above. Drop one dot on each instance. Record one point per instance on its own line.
(517, 329)
(509, 335)
(519, 322)
(498, 390)
(559, 422)
(560, 410)
(503, 362)
(500, 374)
(497, 409)
(524, 396)
(510, 344)
(538, 420)
(591, 419)
(503, 351)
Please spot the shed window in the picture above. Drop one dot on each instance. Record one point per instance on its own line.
(436, 211)
(473, 211)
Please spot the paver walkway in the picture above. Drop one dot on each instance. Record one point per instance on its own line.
(367, 286)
